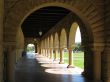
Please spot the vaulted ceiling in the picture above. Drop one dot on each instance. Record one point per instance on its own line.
(42, 20)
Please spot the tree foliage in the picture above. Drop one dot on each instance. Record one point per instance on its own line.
(78, 47)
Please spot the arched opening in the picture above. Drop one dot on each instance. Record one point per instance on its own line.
(30, 51)
(83, 15)
(56, 46)
(51, 46)
(31, 48)
(78, 57)
(63, 45)
(63, 56)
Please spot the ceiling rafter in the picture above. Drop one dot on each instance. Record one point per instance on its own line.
(42, 20)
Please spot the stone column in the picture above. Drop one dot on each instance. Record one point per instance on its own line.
(51, 53)
(1, 39)
(106, 64)
(97, 61)
(61, 56)
(55, 54)
(70, 59)
(45, 52)
(48, 52)
(11, 62)
(35, 47)
(42, 51)
(97, 66)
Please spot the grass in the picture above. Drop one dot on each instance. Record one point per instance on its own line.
(78, 59)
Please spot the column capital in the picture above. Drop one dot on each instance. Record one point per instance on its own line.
(97, 46)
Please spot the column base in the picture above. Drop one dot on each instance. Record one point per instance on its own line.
(70, 66)
(61, 62)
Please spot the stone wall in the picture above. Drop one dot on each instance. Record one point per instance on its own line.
(106, 56)
(20, 44)
(1, 40)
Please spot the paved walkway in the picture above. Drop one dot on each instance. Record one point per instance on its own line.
(41, 69)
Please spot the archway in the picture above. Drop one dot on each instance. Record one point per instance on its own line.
(56, 46)
(83, 11)
(51, 46)
(31, 48)
(63, 45)
(78, 51)
(79, 10)
(30, 51)
(77, 57)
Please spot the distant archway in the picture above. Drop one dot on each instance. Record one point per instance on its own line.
(31, 48)
(63, 45)
(51, 46)
(30, 51)
(63, 39)
(56, 46)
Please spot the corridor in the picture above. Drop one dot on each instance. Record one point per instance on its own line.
(38, 68)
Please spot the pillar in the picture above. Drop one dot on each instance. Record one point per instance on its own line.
(42, 51)
(45, 52)
(97, 49)
(48, 52)
(97, 66)
(11, 62)
(106, 64)
(55, 54)
(51, 53)
(61, 56)
(35, 44)
(88, 62)
(1, 39)
(70, 59)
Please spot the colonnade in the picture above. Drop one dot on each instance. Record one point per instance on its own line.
(53, 53)
(50, 47)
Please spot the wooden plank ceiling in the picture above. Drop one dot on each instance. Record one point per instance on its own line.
(42, 20)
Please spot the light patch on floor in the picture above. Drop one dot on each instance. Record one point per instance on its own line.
(54, 67)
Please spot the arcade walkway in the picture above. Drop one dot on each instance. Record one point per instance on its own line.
(40, 69)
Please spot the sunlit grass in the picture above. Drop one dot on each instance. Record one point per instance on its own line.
(78, 59)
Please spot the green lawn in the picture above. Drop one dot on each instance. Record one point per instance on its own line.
(78, 59)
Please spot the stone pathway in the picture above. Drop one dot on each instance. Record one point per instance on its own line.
(41, 69)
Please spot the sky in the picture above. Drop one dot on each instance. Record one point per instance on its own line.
(78, 36)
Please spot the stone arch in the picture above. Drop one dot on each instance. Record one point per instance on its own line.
(72, 34)
(56, 40)
(63, 39)
(86, 11)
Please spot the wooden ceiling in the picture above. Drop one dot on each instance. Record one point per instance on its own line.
(42, 20)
